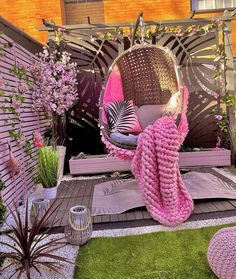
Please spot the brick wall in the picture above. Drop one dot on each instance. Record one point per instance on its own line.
(77, 13)
(127, 10)
(27, 14)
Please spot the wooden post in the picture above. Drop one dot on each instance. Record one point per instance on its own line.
(229, 65)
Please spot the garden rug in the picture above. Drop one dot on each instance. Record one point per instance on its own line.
(118, 196)
(160, 255)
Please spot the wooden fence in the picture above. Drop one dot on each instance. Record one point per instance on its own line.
(20, 51)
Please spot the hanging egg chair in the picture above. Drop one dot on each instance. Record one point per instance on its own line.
(143, 84)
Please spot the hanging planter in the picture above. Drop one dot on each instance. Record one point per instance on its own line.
(79, 230)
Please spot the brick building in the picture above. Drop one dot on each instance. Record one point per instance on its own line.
(27, 14)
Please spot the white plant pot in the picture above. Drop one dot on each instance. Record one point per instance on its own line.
(62, 152)
(50, 193)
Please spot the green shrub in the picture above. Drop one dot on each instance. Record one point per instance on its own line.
(47, 172)
(2, 214)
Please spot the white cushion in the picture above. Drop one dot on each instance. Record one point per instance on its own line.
(148, 114)
(128, 139)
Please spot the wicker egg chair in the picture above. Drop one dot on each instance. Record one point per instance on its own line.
(150, 76)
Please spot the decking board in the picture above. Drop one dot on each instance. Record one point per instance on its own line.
(80, 192)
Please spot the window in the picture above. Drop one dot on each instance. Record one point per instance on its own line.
(212, 4)
(80, 1)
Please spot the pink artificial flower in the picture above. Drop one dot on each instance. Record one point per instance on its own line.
(16, 105)
(218, 144)
(216, 95)
(2, 83)
(218, 117)
(38, 140)
(60, 29)
(23, 88)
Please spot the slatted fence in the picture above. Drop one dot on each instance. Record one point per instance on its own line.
(17, 186)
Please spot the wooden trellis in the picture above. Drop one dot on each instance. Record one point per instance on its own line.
(20, 52)
(195, 53)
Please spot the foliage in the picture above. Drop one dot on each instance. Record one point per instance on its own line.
(222, 120)
(2, 206)
(54, 87)
(13, 104)
(3, 211)
(177, 255)
(48, 160)
(28, 249)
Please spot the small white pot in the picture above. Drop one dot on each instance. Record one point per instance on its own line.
(50, 193)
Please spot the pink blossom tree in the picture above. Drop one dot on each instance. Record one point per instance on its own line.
(55, 84)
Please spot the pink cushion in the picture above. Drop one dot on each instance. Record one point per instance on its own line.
(122, 117)
(148, 114)
(114, 90)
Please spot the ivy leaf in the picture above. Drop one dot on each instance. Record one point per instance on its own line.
(2, 94)
(4, 109)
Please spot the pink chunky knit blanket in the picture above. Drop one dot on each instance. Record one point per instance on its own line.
(155, 166)
(156, 169)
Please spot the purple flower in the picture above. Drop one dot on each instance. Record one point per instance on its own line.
(218, 117)
(216, 95)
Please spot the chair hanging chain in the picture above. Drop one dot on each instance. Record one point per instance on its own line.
(142, 28)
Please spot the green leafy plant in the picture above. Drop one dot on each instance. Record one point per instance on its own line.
(2, 206)
(29, 249)
(48, 167)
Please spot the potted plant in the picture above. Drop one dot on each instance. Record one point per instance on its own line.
(47, 175)
(54, 91)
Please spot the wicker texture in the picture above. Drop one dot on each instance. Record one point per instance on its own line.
(38, 210)
(79, 230)
(222, 253)
(148, 75)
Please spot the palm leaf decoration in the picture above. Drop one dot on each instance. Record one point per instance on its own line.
(196, 55)
(93, 56)
(121, 116)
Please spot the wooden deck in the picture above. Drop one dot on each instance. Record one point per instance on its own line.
(80, 192)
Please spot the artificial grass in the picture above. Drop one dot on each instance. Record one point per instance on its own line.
(164, 255)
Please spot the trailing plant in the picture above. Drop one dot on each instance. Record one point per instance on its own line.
(2, 206)
(16, 100)
(3, 211)
(47, 172)
(28, 249)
